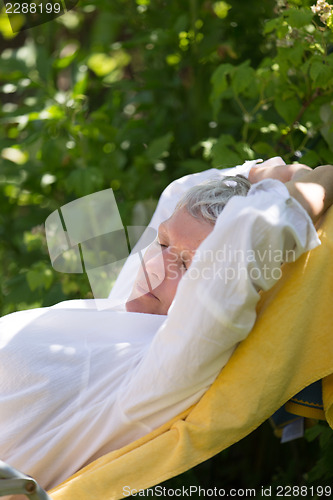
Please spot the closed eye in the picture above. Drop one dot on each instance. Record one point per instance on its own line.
(162, 245)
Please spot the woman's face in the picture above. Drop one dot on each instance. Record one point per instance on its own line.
(166, 261)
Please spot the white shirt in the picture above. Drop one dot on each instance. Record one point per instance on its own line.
(77, 381)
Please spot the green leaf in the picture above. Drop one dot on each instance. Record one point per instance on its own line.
(39, 277)
(219, 80)
(245, 151)
(80, 86)
(64, 62)
(293, 54)
(84, 181)
(117, 160)
(10, 29)
(223, 154)
(219, 85)
(243, 77)
(288, 108)
(102, 64)
(159, 147)
(297, 18)
(326, 154)
(327, 132)
(326, 113)
(43, 63)
(263, 150)
(321, 72)
(313, 432)
(311, 158)
(221, 9)
(272, 25)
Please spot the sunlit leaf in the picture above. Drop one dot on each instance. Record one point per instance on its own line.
(103, 64)
(39, 277)
(15, 155)
(10, 29)
(221, 9)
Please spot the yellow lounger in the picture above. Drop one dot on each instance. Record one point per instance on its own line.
(290, 347)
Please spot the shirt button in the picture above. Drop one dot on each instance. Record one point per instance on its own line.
(289, 201)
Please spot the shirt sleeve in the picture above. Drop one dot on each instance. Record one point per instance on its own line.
(215, 305)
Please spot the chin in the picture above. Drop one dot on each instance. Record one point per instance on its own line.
(141, 305)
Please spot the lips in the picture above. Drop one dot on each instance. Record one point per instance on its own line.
(144, 290)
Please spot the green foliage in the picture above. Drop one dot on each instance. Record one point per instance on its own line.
(133, 94)
(322, 470)
(280, 104)
(107, 96)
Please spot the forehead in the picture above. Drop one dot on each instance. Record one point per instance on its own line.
(184, 231)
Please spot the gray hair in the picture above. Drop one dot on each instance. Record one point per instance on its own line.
(208, 199)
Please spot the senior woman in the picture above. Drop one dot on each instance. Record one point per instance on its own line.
(76, 381)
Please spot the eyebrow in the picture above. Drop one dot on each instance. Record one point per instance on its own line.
(187, 254)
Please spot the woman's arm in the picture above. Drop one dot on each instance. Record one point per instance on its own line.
(314, 190)
(283, 173)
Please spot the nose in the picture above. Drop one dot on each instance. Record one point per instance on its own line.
(154, 267)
